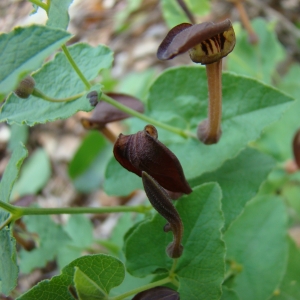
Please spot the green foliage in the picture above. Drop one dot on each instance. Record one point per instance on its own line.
(290, 83)
(244, 103)
(88, 164)
(64, 82)
(23, 50)
(204, 248)
(18, 134)
(101, 271)
(255, 241)
(243, 201)
(290, 285)
(58, 14)
(228, 294)
(251, 167)
(174, 15)
(35, 174)
(277, 139)
(54, 241)
(119, 181)
(258, 61)
(8, 254)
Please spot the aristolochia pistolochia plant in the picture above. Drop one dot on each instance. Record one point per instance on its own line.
(207, 44)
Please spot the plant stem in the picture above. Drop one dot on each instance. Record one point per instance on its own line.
(41, 4)
(108, 134)
(145, 118)
(209, 131)
(142, 288)
(6, 222)
(253, 38)
(36, 92)
(75, 67)
(82, 210)
(19, 211)
(14, 210)
(186, 11)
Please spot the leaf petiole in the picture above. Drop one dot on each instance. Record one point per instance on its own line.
(6, 222)
(183, 133)
(75, 67)
(41, 4)
(17, 212)
(41, 95)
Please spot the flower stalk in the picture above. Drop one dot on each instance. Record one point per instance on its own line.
(209, 130)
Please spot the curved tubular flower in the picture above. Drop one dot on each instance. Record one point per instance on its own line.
(163, 205)
(105, 113)
(143, 151)
(207, 44)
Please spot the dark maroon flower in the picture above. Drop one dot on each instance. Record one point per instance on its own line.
(161, 201)
(143, 151)
(207, 44)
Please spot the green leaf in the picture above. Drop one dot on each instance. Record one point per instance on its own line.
(257, 241)
(58, 16)
(181, 93)
(8, 255)
(290, 192)
(228, 294)
(174, 15)
(239, 179)
(118, 181)
(52, 238)
(18, 134)
(289, 288)
(277, 139)
(86, 288)
(122, 15)
(106, 271)
(35, 174)
(80, 232)
(258, 61)
(59, 80)
(137, 83)
(89, 162)
(290, 83)
(23, 50)
(200, 270)
(92, 144)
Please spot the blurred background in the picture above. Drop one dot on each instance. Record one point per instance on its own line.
(62, 170)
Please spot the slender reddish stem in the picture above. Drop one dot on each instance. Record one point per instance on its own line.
(253, 39)
(109, 134)
(209, 131)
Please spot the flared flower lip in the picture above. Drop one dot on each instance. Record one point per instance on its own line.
(185, 36)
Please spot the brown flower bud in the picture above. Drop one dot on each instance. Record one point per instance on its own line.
(144, 152)
(25, 87)
(160, 200)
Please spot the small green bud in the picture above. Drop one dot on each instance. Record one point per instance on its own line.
(25, 88)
